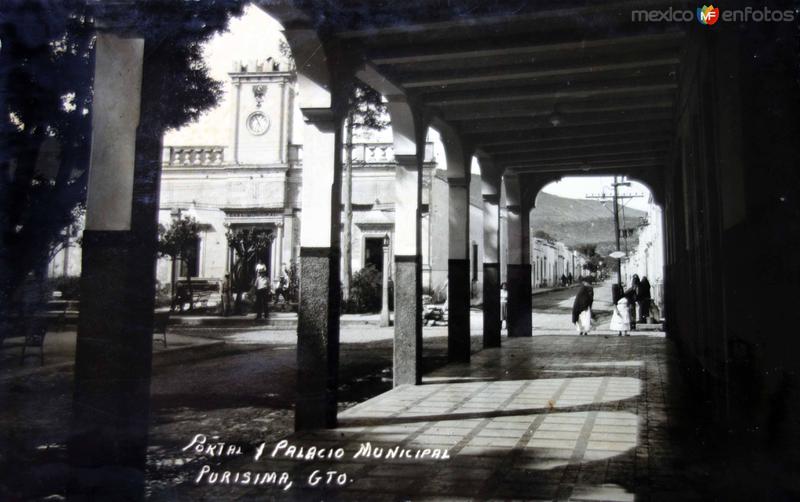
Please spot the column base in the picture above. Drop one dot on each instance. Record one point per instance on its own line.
(408, 320)
(492, 318)
(519, 301)
(317, 340)
(108, 440)
(458, 289)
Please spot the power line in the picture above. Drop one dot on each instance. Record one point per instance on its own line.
(616, 198)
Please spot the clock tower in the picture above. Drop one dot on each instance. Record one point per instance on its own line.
(262, 99)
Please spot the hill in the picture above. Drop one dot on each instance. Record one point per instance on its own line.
(580, 221)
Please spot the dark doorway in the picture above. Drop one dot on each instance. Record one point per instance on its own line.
(373, 252)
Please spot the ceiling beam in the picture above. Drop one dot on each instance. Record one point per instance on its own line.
(535, 15)
(572, 145)
(564, 72)
(574, 120)
(629, 87)
(578, 171)
(586, 164)
(654, 128)
(405, 55)
(580, 156)
(541, 109)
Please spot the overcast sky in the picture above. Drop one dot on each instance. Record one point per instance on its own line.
(577, 187)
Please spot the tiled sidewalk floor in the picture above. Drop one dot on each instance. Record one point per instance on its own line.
(548, 418)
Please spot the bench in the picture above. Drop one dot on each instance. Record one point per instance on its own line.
(203, 292)
(34, 330)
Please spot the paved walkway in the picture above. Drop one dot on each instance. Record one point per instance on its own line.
(543, 418)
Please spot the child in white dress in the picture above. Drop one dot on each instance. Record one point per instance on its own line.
(620, 318)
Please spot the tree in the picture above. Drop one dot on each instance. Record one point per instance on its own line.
(247, 244)
(46, 71)
(543, 235)
(179, 242)
(366, 111)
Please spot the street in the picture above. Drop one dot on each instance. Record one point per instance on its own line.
(242, 391)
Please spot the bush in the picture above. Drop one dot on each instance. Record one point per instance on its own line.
(365, 291)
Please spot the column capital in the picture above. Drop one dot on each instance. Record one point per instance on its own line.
(461, 181)
(491, 198)
(514, 208)
(321, 117)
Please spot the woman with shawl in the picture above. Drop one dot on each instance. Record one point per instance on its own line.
(620, 317)
(632, 295)
(582, 309)
(643, 299)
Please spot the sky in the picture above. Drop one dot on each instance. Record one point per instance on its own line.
(577, 187)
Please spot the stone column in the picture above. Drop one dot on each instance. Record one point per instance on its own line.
(408, 137)
(492, 321)
(408, 271)
(108, 440)
(320, 290)
(519, 269)
(458, 280)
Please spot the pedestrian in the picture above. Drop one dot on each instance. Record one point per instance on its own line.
(262, 291)
(226, 296)
(582, 309)
(280, 291)
(503, 305)
(570, 279)
(563, 281)
(620, 317)
(630, 296)
(643, 299)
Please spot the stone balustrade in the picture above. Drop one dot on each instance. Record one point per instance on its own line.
(193, 155)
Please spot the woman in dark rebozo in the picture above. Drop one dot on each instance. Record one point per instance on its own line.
(582, 309)
(643, 300)
(632, 295)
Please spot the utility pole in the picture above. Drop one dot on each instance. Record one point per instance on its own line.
(616, 230)
(616, 198)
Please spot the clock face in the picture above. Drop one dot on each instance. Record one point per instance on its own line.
(257, 123)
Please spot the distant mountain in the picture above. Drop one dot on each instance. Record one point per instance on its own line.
(581, 221)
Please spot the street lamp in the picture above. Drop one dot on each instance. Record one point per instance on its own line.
(385, 289)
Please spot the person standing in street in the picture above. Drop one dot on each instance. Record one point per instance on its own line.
(620, 317)
(643, 299)
(631, 296)
(262, 291)
(503, 305)
(582, 309)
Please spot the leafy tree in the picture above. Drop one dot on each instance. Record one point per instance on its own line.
(543, 235)
(366, 111)
(248, 244)
(46, 71)
(179, 242)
